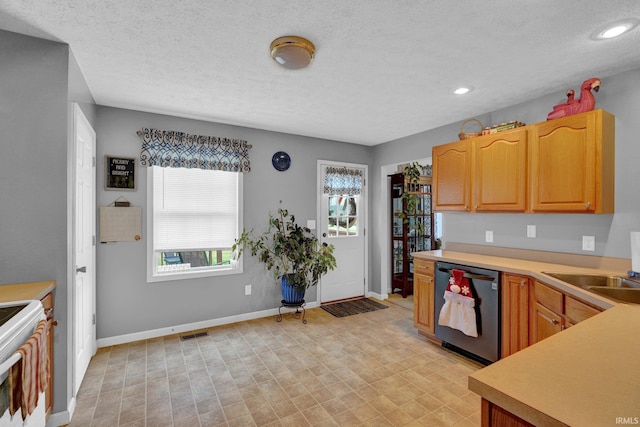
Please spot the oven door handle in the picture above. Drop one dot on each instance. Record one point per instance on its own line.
(470, 275)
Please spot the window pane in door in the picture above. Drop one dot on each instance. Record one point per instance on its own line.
(342, 215)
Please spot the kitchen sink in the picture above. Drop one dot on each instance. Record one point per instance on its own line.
(631, 295)
(621, 289)
(588, 281)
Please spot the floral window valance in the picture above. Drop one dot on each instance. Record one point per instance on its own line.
(343, 180)
(174, 149)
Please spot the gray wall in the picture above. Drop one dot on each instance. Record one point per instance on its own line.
(619, 95)
(126, 303)
(39, 78)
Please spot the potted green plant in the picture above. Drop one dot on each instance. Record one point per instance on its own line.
(292, 253)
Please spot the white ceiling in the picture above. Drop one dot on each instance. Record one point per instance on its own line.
(384, 69)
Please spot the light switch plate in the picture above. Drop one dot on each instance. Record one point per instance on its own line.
(247, 289)
(488, 236)
(588, 243)
(311, 224)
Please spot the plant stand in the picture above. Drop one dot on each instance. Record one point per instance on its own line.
(297, 306)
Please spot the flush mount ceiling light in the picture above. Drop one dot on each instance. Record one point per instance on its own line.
(292, 52)
(614, 30)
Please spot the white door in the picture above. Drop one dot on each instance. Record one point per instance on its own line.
(84, 328)
(342, 224)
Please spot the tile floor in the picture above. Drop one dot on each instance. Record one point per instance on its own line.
(370, 369)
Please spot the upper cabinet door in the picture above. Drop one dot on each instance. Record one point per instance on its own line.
(452, 177)
(572, 164)
(499, 166)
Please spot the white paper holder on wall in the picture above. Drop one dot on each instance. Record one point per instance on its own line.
(120, 224)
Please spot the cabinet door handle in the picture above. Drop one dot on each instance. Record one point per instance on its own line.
(588, 205)
(81, 269)
(548, 319)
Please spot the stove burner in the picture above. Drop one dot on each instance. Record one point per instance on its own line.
(6, 313)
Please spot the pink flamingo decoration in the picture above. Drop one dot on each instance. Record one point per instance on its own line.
(586, 102)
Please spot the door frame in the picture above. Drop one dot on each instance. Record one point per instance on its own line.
(365, 214)
(78, 115)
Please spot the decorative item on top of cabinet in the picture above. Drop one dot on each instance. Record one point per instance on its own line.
(468, 135)
(515, 313)
(586, 102)
(572, 162)
(411, 227)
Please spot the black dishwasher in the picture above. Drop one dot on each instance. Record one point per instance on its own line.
(485, 287)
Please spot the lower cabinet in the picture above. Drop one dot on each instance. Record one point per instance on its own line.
(555, 311)
(423, 297)
(495, 416)
(515, 313)
(47, 304)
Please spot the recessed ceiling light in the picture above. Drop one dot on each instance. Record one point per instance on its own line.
(463, 90)
(615, 29)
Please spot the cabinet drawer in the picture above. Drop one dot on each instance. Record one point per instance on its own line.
(421, 266)
(548, 297)
(577, 311)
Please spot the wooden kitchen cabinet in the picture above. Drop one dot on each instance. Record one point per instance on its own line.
(493, 415)
(562, 165)
(572, 164)
(451, 165)
(515, 313)
(554, 311)
(47, 303)
(499, 172)
(483, 174)
(423, 297)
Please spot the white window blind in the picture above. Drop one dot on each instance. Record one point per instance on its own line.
(194, 209)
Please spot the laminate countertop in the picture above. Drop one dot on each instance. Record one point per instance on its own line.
(529, 268)
(587, 375)
(26, 291)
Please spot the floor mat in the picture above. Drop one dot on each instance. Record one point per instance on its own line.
(348, 308)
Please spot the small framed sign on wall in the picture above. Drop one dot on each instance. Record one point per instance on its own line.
(120, 173)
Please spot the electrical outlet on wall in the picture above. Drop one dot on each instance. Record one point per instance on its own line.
(247, 289)
(588, 243)
(488, 236)
(531, 231)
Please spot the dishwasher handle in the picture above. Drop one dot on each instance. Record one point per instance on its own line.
(470, 275)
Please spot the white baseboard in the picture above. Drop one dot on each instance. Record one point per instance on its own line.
(62, 418)
(177, 329)
(376, 295)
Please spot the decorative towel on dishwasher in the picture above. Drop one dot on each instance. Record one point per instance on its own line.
(458, 310)
(30, 375)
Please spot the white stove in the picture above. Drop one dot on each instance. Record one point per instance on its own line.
(18, 321)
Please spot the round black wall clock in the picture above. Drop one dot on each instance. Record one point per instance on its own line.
(281, 161)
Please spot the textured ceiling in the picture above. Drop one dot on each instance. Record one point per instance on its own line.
(384, 69)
